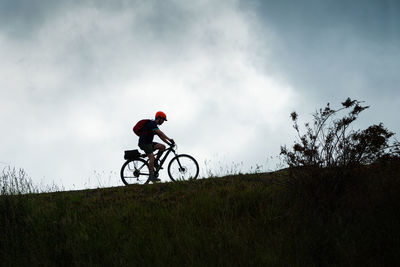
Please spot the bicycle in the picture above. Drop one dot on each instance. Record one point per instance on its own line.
(135, 170)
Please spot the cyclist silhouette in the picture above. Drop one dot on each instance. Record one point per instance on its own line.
(148, 146)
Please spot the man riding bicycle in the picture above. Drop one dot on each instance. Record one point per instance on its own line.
(148, 146)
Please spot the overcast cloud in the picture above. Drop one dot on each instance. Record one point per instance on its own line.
(76, 75)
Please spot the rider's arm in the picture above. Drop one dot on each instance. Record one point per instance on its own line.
(163, 137)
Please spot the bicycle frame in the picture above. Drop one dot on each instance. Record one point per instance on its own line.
(164, 158)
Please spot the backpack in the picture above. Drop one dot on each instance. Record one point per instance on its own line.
(138, 128)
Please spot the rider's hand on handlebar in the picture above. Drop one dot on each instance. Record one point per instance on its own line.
(172, 142)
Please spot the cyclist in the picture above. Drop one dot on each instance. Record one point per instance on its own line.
(148, 146)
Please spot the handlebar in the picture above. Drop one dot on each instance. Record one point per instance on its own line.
(172, 145)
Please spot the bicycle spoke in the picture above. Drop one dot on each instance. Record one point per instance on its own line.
(183, 167)
(135, 172)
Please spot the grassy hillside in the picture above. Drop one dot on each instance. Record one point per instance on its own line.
(302, 217)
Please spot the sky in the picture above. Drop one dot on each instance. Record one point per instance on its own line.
(75, 76)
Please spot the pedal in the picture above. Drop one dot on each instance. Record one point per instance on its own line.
(157, 167)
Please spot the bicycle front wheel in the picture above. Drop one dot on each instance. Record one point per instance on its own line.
(135, 171)
(183, 167)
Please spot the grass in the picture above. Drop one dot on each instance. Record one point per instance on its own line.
(296, 217)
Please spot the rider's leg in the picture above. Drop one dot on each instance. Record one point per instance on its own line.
(151, 164)
(149, 149)
(152, 177)
(161, 149)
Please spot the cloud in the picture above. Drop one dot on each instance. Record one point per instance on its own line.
(88, 72)
(330, 46)
(329, 50)
(76, 75)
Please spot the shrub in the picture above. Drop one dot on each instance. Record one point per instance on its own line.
(329, 142)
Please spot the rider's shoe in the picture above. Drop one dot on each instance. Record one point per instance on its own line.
(153, 179)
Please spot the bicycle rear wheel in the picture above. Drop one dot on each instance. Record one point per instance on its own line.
(135, 171)
(183, 167)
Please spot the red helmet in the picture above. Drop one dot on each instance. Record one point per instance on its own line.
(161, 114)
